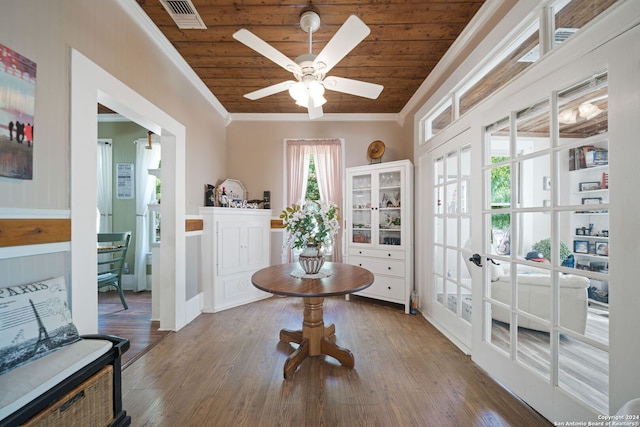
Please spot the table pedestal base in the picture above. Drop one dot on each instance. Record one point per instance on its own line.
(314, 339)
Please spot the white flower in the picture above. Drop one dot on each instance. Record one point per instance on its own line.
(310, 223)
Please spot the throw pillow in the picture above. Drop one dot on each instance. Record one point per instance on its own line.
(34, 321)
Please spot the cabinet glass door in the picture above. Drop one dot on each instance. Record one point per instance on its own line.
(361, 209)
(390, 211)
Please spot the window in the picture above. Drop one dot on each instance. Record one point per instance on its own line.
(314, 171)
(313, 192)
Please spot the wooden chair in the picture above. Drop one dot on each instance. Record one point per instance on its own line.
(112, 250)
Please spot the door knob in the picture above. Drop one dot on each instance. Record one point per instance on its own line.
(476, 259)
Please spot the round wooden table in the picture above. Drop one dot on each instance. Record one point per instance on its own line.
(314, 339)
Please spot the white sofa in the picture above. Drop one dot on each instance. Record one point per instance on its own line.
(534, 297)
(534, 287)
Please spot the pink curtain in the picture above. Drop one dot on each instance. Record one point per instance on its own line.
(298, 167)
(328, 160)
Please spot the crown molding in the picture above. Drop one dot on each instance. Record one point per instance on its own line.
(146, 24)
(302, 117)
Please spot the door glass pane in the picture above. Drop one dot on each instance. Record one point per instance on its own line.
(500, 329)
(438, 262)
(438, 170)
(452, 231)
(534, 346)
(390, 208)
(452, 198)
(497, 142)
(465, 179)
(452, 166)
(438, 232)
(452, 296)
(534, 232)
(584, 372)
(583, 112)
(534, 296)
(534, 176)
(439, 289)
(532, 126)
(465, 230)
(361, 209)
(452, 264)
(438, 201)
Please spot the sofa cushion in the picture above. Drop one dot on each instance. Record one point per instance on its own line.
(34, 321)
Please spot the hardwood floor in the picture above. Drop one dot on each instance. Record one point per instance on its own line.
(226, 369)
(134, 323)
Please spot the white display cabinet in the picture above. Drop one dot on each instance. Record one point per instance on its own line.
(379, 227)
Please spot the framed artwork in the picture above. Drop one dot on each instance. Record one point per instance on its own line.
(581, 246)
(125, 181)
(589, 186)
(17, 98)
(591, 200)
(602, 248)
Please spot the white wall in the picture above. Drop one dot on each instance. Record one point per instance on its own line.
(255, 154)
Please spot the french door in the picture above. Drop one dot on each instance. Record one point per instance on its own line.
(447, 277)
(543, 317)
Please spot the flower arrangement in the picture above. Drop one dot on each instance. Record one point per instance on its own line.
(311, 223)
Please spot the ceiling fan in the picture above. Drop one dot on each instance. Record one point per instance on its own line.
(311, 70)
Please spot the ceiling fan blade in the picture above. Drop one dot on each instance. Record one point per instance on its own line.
(353, 87)
(270, 90)
(254, 42)
(352, 32)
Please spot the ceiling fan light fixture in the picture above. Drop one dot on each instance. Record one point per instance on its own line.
(568, 116)
(588, 110)
(300, 94)
(316, 92)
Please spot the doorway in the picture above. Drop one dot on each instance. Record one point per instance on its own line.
(90, 85)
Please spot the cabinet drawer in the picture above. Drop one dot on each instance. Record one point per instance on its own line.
(376, 253)
(389, 267)
(387, 288)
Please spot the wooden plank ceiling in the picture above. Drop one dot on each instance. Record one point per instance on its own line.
(407, 40)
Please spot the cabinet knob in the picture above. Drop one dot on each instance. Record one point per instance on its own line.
(359, 265)
(389, 287)
(360, 252)
(389, 254)
(389, 268)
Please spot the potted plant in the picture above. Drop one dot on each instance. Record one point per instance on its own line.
(544, 246)
(311, 226)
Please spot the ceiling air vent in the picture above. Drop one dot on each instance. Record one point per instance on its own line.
(184, 13)
(560, 35)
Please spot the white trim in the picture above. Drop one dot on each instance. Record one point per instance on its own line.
(106, 118)
(17, 213)
(91, 84)
(298, 117)
(30, 250)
